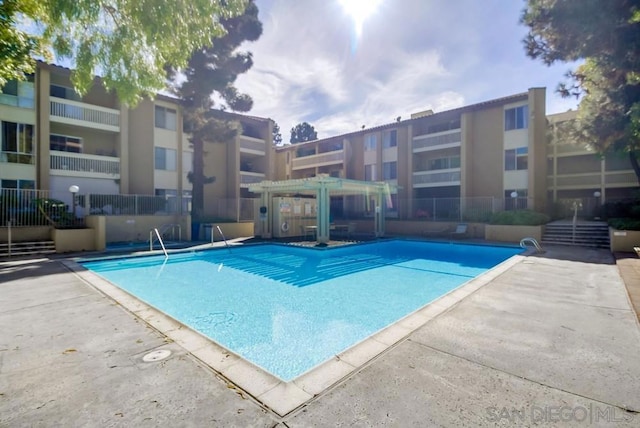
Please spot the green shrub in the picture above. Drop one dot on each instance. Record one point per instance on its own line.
(625, 223)
(626, 208)
(519, 217)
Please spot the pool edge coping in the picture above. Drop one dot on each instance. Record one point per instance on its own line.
(269, 391)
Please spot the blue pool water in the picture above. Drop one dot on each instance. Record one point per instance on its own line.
(288, 309)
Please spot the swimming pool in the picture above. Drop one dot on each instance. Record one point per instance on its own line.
(288, 309)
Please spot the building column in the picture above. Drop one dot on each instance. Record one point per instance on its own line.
(123, 150)
(43, 128)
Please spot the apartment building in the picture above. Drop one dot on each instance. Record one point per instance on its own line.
(52, 139)
(495, 150)
(575, 171)
(492, 149)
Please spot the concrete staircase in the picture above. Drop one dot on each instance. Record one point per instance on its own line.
(587, 234)
(34, 248)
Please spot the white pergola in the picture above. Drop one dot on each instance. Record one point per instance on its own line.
(323, 187)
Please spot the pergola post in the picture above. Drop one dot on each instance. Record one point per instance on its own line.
(379, 214)
(322, 216)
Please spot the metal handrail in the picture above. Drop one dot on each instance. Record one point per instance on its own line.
(159, 239)
(223, 238)
(532, 241)
(171, 227)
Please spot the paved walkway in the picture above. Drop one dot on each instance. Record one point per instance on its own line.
(552, 341)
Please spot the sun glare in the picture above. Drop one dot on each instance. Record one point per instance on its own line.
(359, 10)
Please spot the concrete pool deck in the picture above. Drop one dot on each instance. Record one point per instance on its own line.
(553, 339)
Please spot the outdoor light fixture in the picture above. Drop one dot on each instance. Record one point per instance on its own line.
(514, 198)
(596, 194)
(74, 189)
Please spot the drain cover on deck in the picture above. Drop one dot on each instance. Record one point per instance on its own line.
(157, 355)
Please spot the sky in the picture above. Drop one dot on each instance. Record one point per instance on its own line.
(342, 64)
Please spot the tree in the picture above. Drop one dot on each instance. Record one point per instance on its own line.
(303, 132)
(606, 36)
(128, 42)
(211, 73)
(277, 136)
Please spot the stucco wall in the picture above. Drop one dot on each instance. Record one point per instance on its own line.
(624, 240)
(71, 240)
(137, 228)
(509, 233)
(26, 234)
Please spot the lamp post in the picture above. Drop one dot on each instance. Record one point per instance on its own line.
(74, 189)
(597, 195)
(514, 196)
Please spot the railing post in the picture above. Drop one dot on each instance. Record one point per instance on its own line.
(434, 208)
(9, 235)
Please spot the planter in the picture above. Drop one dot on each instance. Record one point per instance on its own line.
(71, 240)
(623, 240)
(512, 233)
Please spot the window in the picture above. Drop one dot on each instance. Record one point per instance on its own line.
(166, 118)
(10, 88)
(19, 94)
(516, 118)
(165, 159)
(370, 142)
(187, 162)
(187, 197)
(370, 172)
(64, 92)
(390, 139)
(64, 143)
(18, 184)
(444, 163)
(516, 159)
(170, 196)
(390, 170)
(17, 143)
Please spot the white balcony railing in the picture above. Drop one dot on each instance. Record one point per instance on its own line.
(82, 114)
(321, 159)
(437, 140)
(247, 178)
(447, 177)
(252, 145)
(83, 165)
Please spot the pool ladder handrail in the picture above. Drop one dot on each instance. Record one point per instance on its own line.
(223, 238)
(166, 255)
(533, 242)
(171, 227)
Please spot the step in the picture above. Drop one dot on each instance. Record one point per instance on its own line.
(599, 244)
(33, 248)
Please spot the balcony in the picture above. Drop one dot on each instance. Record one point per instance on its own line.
(247, 178)
(251, 145)
(437, 178)
(85, 115)
(84, 165)
(320, 159)
(437, 141)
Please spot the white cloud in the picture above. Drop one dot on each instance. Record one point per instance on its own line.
(411, 58)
